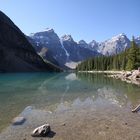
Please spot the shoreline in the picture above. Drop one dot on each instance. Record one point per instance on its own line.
(132, 77)
(109, 72)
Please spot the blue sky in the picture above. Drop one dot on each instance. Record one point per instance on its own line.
(83, 19)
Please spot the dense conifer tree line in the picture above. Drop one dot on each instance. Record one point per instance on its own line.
(127, 60)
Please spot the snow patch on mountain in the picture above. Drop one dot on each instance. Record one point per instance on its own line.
(114, 45)
(137, 40)
(94, 45)
(67, 38)
(48, 30)
(67, 54)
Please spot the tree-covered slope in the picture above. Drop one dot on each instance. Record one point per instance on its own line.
(128, 60)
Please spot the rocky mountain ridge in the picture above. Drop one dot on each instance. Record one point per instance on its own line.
(65, 51)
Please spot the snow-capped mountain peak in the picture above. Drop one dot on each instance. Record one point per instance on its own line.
(65, 50)
(137, 40)
(48, 30)
(114, 45)
(43, 33)
(93, 43)
(118, 37)
(67, 38)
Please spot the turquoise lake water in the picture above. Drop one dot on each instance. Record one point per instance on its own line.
(48, 90)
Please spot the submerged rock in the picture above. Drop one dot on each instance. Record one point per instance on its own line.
(18, 121)
(41, 131)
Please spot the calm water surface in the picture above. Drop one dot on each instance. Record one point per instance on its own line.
(49, 90)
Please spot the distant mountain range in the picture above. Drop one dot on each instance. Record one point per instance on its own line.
(16, 53)
(66, 52)
(63, 51)
(46, 51)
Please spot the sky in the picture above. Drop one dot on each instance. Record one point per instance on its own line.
(83, 19)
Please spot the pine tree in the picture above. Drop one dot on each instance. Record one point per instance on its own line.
(137, 58)
(131, 56)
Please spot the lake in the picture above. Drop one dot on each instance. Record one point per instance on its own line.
(57, 91)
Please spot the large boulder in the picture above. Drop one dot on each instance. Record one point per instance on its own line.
(41, 131)
(135, 75)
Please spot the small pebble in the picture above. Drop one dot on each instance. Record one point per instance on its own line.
(63, 124)
(107, 127)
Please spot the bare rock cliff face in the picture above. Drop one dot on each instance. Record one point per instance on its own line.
(16, 53)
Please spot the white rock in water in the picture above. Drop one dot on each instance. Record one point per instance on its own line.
(18, 121)
(41, 131)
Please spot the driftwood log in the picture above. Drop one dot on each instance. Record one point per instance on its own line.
(136, 109)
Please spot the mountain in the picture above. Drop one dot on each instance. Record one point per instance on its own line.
(16, 53)
(65, 52)
(48, 43)
(93, 45)
(127, 60)
(137, 40)
(115, 45)
(76, 51)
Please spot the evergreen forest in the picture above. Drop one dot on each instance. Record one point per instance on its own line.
(127, 60)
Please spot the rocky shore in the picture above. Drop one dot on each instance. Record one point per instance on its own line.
(128, 76)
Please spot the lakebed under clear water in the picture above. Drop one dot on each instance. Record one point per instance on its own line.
(78, 106)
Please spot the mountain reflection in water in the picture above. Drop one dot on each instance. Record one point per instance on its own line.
(56, 91)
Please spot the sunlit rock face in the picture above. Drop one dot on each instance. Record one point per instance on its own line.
(67, 53)
(49, 40)
(64, 51)
(115, 45)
